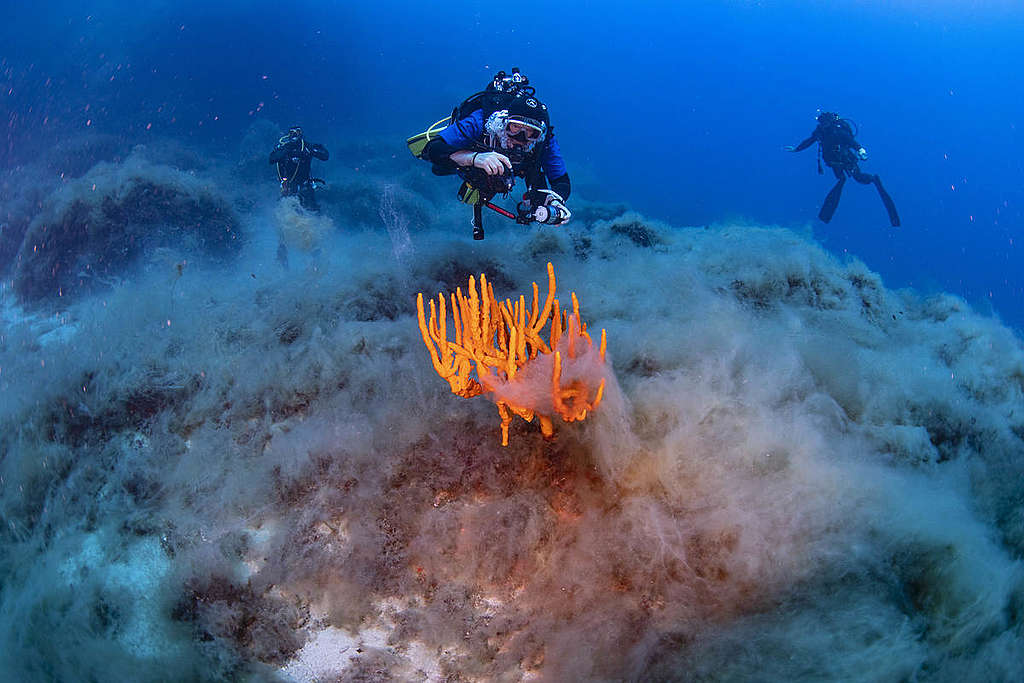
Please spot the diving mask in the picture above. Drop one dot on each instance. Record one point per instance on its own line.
(524, 131)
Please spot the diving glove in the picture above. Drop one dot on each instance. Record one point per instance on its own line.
(862, 154)
(553, 210)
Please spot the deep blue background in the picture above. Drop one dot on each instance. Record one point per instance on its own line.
(679, 109)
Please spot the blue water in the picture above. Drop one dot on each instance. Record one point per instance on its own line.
(679, 110)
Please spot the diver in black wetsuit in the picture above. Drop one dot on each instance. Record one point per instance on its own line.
(841, 151)
(293, 156)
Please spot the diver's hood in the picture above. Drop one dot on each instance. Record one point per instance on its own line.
(529, 109)
(498, 137)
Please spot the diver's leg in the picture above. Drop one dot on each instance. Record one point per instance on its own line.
(890, 206)
(860, 176)
(828, 208)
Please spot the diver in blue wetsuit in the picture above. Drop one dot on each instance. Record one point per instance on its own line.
(840, 151)
(494, 137)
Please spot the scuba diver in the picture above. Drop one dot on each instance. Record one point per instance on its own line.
(293, 156)
(841, 151)
(493, 137)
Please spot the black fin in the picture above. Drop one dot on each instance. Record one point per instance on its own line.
(890, 206)
(832, 201)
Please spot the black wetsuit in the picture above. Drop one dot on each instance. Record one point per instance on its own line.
(293, 159)
(837, 151)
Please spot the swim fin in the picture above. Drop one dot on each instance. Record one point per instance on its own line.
(831, 201)
(890, 206)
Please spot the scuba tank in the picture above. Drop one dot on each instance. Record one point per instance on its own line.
(847, 125)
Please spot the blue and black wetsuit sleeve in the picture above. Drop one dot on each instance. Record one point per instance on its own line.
(278, 155)
(553, 166)
(461, 135)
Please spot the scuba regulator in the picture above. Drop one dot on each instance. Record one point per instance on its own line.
(292, 137)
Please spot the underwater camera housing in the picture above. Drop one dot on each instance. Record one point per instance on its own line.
(488, 185)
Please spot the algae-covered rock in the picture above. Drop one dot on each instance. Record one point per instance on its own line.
(92, 230)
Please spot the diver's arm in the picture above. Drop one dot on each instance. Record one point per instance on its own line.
(461, 135)
(538, 187)
(448, 157)
(458, 146)
(440, 153)
(491, 163)
(562, 186)
(858, 149)
(319, 151)
(278, 155)
(554, 167)
(806, 143)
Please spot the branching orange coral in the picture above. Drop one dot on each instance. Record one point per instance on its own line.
(501, 343)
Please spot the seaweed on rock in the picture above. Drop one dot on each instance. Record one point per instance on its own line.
(92, 231)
